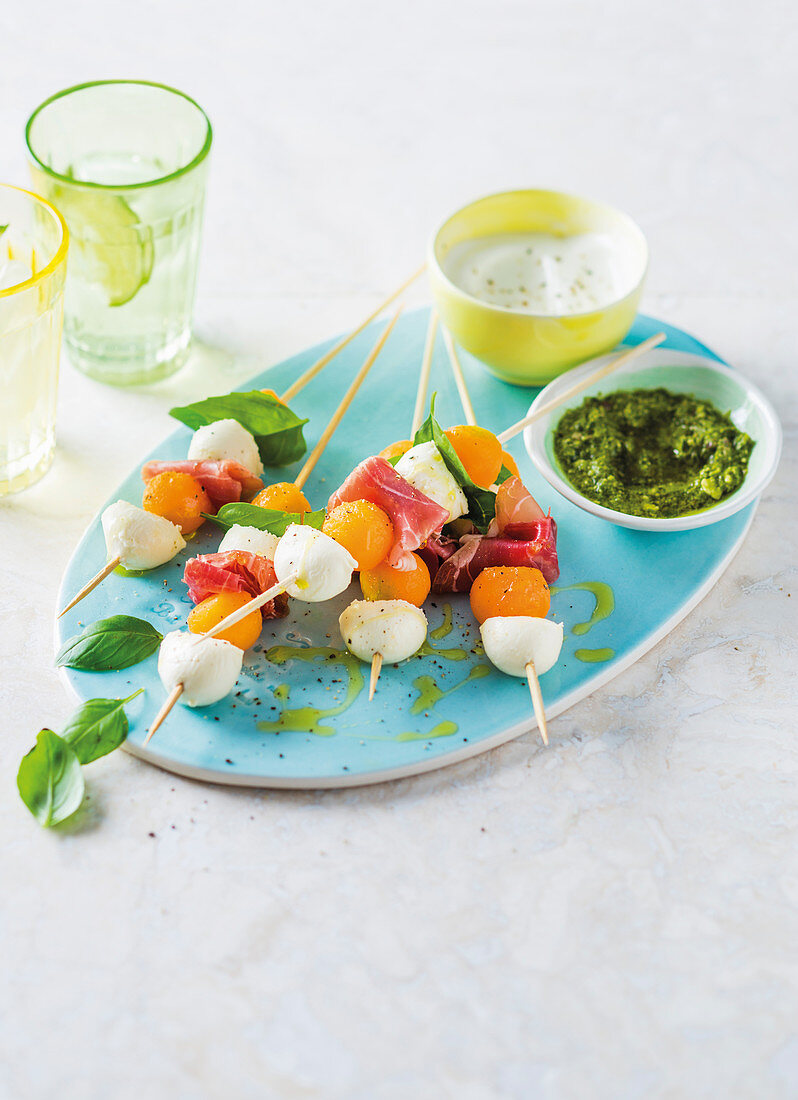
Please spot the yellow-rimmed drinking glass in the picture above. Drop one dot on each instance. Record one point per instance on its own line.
(33, 251)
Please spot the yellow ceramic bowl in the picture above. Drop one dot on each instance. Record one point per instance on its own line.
(530, 349)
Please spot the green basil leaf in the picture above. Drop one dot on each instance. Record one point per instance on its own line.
(431, 430)
(481, 507)
(481, 502)
(277, 430)
(49, 779)
(97, 727)
(504, 473)
(265, 519)
(110, 644)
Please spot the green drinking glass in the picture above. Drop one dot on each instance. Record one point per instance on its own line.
(125, 161)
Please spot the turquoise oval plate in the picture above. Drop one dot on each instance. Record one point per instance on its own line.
(300, 716)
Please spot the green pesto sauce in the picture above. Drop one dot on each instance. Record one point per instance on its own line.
(651, 452)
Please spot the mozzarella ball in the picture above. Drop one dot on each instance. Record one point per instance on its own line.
(423, 466)
(206, 667)
(512, 641)
(393, 628)
(141, 540)
(226, 439)
(324, 566)
(250, 539)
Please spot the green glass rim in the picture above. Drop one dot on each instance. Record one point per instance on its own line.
(58, 257)
(196, 160)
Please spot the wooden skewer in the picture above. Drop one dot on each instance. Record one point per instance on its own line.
(229, 620)
(594, 376)
(254, 604)
(109, 567)
(423, 378)
(163, 713)
(418, 416)
(468, 409)
(337, 416)
(460, 382)
(537, 700)
(376, 668)
(319, 365)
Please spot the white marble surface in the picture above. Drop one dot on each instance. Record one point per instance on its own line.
(616, 917)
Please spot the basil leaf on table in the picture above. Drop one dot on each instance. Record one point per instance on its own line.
(49, 779)
(110, 644)
(264, 519)
(277, 430)
(481, 502)
(97, 727)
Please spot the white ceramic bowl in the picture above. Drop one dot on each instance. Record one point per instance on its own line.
(678, 372)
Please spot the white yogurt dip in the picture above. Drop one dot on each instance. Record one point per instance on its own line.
(542, 273)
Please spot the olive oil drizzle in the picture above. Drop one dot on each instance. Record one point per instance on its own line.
(603, 607)
(429, 693)
(443, 729)
(309, 719)
(445, 628)
(594, 656)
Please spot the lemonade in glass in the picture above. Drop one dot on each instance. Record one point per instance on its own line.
(33, 250)
(126, 163)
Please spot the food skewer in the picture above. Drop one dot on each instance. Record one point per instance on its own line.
(109, 567)
(197, 641)
(418, 414)
(382, 630)
(319, 365)
(163, 713)
(525, 646)
(346, 401)
(530, 670)
(301, 552)
(537, 700)
(459, 378)
(594, 376)
(426, 366)
(134, 538)
(376, 669)
(309, 565)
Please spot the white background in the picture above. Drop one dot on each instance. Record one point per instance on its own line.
(614, 917)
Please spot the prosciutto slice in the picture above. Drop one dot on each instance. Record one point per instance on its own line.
(438, 548)
(234, 571)
(537, 548)
(514, 505)
(414, 516)
(225, 481)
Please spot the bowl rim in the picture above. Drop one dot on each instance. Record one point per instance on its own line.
(529, 192)
(535, 435)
